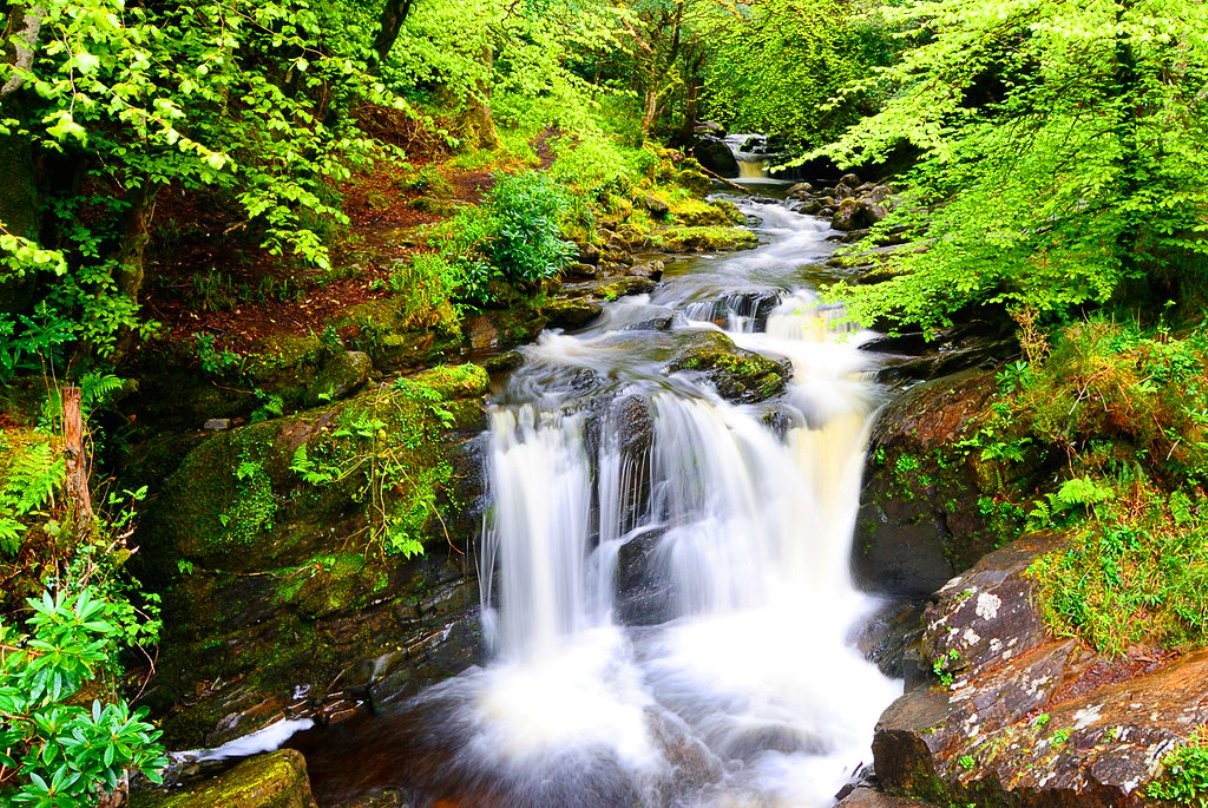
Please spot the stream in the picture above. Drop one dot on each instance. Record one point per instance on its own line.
(665, 574)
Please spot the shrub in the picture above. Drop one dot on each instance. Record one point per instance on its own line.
(53, 750)
(514, 235)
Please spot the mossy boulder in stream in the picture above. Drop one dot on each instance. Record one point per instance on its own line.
(289, 552)
(738, 374)
(275, 780)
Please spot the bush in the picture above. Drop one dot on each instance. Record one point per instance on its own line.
(514, 235)
(53, 750)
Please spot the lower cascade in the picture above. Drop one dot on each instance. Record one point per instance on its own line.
(665, 573)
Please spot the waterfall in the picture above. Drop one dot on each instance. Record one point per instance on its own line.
(753, 529)
(665, 574)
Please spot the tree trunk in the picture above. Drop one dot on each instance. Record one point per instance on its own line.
(390, 22)
(480, 125)
(132, 267)
(79, 500)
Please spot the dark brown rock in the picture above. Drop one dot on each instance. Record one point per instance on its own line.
(919, 523)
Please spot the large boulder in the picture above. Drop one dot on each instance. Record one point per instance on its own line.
(919, 522)
(738, 374)
(1013, 717)
(714, 154)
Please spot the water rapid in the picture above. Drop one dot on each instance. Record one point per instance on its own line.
(665, 574)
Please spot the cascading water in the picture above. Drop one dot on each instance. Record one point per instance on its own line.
(740, 687)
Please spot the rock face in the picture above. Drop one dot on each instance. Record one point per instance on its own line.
(1019, 719)
(276, 780)
(919, 521)
(279, 595)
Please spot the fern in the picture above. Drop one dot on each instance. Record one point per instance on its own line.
(10, 535)
(32, 480)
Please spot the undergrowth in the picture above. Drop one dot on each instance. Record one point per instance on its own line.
(1118, 415)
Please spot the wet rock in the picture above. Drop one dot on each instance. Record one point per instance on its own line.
(850, 180)
(887, 639)
(581, 271)
(739, 375)
(612, 289)
(801, 190)
(589, 254)
(217, 424)
(919, 523)
(660, 323)
(343, 374)
(651, 270)
(857, 214)
(572, 313)
(871, 798)
(714, 154)
(657, 207)
(275, 780)
(504, 362)
(645, 592)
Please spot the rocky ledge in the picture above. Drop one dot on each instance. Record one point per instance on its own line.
(1002, 714)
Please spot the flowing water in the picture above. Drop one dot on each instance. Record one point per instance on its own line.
(671, 608)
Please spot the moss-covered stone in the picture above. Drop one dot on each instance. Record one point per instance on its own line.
(739, 375)
(275, 780)
(281, 548)
(573, 313)
(705, 239)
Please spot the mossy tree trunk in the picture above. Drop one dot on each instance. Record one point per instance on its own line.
(480, 125)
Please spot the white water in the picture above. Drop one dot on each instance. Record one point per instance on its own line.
(752, 695)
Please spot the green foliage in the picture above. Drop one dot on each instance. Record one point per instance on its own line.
(1184, 778)
(250, 100)
(255, 504)
(514, 236)
(774, 64)
(1118, 409)
(1058, 141)
(426, 284)
(57, 752)
(28, 484)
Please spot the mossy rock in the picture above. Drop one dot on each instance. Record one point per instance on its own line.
(738, 374)
(275, 780)
(699, 213)
(574, 313)
(276, 568)
(705, 239)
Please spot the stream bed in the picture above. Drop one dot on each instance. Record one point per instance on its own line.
(666, 584)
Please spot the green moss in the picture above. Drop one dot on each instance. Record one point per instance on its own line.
(275, 780)
(705, 239)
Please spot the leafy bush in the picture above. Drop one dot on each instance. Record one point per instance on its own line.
(53, 750)
(514, 235)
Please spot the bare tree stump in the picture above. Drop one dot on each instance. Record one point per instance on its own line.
(79, 500)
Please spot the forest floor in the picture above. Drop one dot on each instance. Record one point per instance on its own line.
(212, 278)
